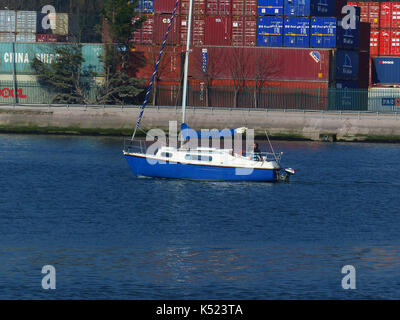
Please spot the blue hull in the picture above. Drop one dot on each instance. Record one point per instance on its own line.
(140, 167)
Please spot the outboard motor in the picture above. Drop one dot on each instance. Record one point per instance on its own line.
(285, 174)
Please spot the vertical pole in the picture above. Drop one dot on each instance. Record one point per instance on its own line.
(14, 74)
(13, 57)
(185, 77)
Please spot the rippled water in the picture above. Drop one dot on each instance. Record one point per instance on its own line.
(73, 203)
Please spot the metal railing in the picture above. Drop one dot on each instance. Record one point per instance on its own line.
(139, 146)
(135, 146)
(265, 156)
(309, 99)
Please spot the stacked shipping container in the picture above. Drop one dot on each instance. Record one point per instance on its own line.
(220, 26)
(32, 26)
(384, 18)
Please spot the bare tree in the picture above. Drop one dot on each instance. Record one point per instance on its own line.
(206, 70)
(161, 70)
(266, 68)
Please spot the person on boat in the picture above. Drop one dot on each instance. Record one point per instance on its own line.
(256, 153)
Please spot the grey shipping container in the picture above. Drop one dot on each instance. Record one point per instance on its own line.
(26, 21)
(7, 21)
(26, 37)
(7, 37)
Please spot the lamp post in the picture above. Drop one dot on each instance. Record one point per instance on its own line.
(13, 58)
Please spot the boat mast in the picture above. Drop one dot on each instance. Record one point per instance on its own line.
(186, 67)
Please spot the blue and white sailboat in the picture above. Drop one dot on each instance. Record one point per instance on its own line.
(200, 163)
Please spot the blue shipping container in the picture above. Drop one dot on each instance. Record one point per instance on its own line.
(346, 62)
(307, 8)
(270, 7)
(145, 6)
(296, 32)
(41, 20)
(323, 32)
(386, 70)
(348, 38)
(269, 31)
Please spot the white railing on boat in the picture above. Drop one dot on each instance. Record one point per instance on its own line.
(135, 146)
(139, 146)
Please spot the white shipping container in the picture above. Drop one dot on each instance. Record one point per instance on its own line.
(7, 21)
(26, 21)
(26, 37)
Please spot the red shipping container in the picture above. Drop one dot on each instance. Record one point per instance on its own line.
(364, 11)
(46, 37)
(161, 23)
(374, 42)
(370, 12)
(218, 31)
(219, 7)
(374, 10)
(250, 31)
(144, 35)
(272, 64)
(244, 31)
(165, 6)
(396, 15)
(170, 64)
(386, 15)
(244, 8)
(199, 6)
(395, 44)
(147, 30)
(198, 30)
(237, 31)
(385, 43)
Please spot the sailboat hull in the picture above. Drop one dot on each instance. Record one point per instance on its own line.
(141, 167)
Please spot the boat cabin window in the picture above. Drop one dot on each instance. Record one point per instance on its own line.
(166, 154)
(198, 157)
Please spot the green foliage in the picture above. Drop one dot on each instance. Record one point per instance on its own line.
(120, 14)
(65, 76)
(119, 85)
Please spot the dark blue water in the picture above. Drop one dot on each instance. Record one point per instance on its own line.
(72, 202)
